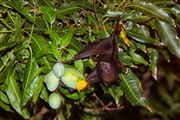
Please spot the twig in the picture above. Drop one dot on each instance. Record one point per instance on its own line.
(104, 107)
(101, 102)
(101, 109)
(95, 11)
(40, 114)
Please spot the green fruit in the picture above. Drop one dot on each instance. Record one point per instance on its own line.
(58, 69)
(51, 81)
(71, 78)
(54, 100)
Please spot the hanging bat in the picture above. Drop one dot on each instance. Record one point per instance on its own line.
(106, 52)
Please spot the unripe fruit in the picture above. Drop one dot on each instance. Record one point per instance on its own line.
(58, 69)
(54, 100)
(51, 81)
(71, 78)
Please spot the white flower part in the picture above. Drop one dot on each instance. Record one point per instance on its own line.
(51, 81)
(58, 69)
(54, 100)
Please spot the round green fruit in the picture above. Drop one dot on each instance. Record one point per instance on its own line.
(71, 78)
(51, 81)
(54, 100)
(58, 69)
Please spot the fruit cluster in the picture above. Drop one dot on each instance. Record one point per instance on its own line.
(68, 77)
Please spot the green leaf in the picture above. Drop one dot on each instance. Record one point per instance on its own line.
(68, 112)
(60, 116)
(67, 8)
(70, 54)
(139, 19)
(76, 45)
(153, 56)
(89, 63)
(40, 46)
(20, 8)
(4, 98)
(136, 17)
(79, 63)
(5, 106)
(44, 94)
(4, 70)
(47, 65)
(7, 46)
(73, 96)
(131, 87)
(66, 39)
(159, 2)
(14, 94)
(168, 36)
(141, 38)
(176, 12)
(29, 76)
(138, 59)
(151, 9)
(49, 13)
(115, 91)
(18, 36)
(38, 85)
(125, 58)
(54, 36)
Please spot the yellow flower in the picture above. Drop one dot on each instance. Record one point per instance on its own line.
(123, 34)
(82, 84)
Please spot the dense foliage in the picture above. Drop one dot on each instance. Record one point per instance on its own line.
(36, 34)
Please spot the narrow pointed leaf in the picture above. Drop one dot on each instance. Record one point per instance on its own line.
(44, 94)
(141, 38)
(40, 46)
(38, 85)
(65, 9)
(3, 72)
(14, 94)
(29, 76)
(7, 46)
(78, 64)
(115, 91)
(151, 9)
(49, 14)
(160, 2)
(176, 10)
(55, 37)
(168, 36)
(66, 39)
(4, 98)
(73, 96)
(139, 19)
(5, 106)
(126, 59)
(20, 9)
(153, 62)
(131, 87)
(137, 58)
